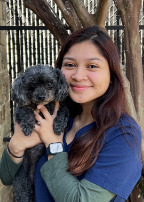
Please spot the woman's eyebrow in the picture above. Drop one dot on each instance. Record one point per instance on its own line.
(87, 59)
(94, 59)
(68, 58)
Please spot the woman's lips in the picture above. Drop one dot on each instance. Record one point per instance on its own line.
(80, 88)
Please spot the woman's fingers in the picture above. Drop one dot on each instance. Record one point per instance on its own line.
(45, 128)
(37, 117)
(45, 112)
(48, 119)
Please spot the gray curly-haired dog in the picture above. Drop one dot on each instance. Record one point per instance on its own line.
(40, 84)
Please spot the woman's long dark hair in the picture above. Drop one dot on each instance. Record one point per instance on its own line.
(108, 108)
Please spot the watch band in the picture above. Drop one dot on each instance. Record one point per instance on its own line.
(49, 150)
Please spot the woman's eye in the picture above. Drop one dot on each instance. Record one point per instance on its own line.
(69, 65)
(92, 66)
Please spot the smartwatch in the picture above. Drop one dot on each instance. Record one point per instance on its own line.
(54, 148)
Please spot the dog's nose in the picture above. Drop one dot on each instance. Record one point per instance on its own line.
(41, 97)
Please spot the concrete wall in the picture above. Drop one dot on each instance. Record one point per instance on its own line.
(5, 119)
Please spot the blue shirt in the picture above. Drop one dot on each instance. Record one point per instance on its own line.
(118, 166)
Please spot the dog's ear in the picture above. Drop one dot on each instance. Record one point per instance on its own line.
(62, 86)
(18, 92)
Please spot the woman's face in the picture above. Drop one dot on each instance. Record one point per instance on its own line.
(86, 71)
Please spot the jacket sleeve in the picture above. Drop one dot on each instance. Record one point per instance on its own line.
(64, 187)
(8, 168)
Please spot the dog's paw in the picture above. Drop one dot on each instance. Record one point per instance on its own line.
(27, 130)
(26, 118)
(61, 120)
(57, 128)
(59, 125)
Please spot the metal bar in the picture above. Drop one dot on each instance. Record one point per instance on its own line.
(6, 139)
(42, 48)
(21, 37)
(26, 46)
(38, 41)
(46, 50)
(23, 28)
(114, 27)
(118, 32)
(30, 48)
(18, 41)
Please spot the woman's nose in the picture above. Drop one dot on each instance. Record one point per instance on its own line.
(79, 74)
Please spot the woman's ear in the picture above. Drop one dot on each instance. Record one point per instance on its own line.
(18, 92)
(62, 86)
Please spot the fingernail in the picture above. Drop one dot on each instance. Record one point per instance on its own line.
(39, 106)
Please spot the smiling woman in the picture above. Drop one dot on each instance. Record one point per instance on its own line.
(86, 71)
(100, 158)
(90, 62)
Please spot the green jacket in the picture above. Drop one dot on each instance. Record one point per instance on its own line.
(67, 187)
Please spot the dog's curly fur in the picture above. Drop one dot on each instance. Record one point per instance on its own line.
(40, 84)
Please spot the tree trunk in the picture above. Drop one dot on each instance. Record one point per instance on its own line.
(129, 11)
(43, 10)
(136, 196)
(69, 14)
(130, 103)
(101, 13)
(74, 13)
(84, 16)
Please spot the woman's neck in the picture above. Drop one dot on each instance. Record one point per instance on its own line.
(86, 117)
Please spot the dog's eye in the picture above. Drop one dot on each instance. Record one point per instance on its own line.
(32, 87)
(49, 84)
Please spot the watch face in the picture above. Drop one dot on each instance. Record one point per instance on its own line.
(56, 147)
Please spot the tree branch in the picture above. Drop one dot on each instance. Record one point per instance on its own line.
(69, 14)
(43, 10)
(84, 16)
(101, 13)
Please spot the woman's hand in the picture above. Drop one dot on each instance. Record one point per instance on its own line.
(45, 129)
(19, 143)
